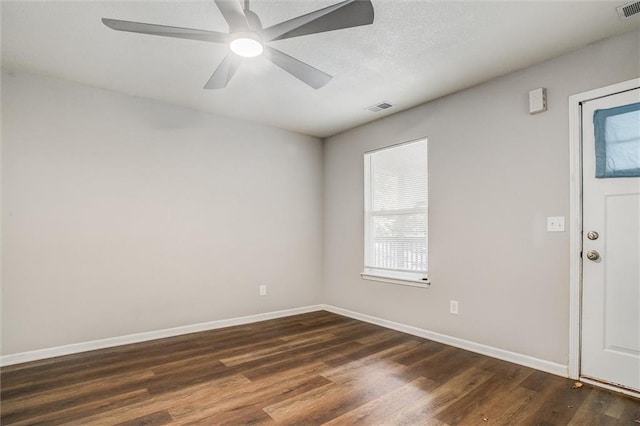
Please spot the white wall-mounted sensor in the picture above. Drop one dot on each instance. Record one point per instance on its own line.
(537, 100)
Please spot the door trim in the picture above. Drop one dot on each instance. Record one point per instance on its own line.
(575, 212)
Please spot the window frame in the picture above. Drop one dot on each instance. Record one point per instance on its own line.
(403, 277)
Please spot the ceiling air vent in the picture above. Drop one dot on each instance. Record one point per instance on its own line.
(628, 10)
(379, 107)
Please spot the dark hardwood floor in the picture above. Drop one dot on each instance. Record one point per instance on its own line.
(316, 368)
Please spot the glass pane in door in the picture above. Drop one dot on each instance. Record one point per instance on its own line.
(617, 138)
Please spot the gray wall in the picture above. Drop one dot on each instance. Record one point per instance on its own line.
(123, 215)
(495, 174)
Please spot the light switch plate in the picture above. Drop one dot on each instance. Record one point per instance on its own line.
(555, 224)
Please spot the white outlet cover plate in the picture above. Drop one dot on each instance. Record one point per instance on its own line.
(555, 224)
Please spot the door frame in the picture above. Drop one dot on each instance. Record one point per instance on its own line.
(575, 215)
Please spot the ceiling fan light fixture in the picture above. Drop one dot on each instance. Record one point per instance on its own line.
(247, 45)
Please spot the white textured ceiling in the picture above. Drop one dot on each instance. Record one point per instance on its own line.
(415, 51)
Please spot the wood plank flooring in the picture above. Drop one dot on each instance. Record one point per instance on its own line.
(311, 369)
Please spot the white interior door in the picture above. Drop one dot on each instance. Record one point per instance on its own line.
(611, 240)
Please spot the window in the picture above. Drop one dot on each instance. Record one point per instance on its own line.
(395, 208)
(617, 134)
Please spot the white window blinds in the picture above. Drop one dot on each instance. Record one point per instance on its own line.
(396, 211)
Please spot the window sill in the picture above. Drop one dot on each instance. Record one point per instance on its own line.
(394, 280)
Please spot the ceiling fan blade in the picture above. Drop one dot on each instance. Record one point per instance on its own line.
(303, 72)
(233, 14)
(222, 75)
(346, 14)
(165, 31)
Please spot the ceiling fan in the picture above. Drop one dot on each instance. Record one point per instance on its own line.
(247, 38)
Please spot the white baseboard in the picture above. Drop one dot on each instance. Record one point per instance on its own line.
(39, 354)
(516, 358)
(528, 361)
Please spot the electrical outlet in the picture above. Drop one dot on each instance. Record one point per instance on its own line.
(263, 290)
(453, 307)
